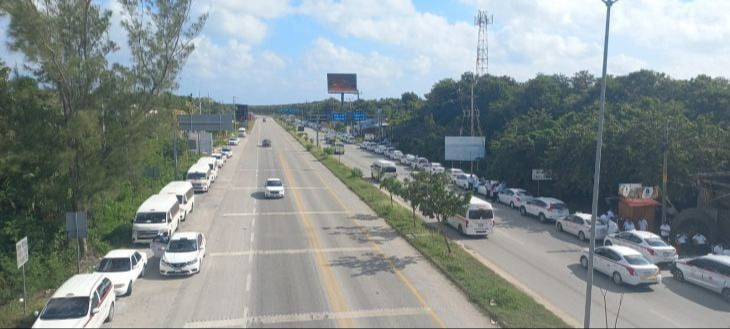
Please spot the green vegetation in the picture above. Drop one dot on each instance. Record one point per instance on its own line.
(511, 307)
(84, 134)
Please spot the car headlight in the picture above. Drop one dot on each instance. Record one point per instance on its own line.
(164, 263)
(191, 263)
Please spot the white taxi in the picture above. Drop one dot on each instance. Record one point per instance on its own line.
(624, 265)
(648, 244)
(514, 197)
(579, 224)
(545, 209)
(123, 267)
(84, 301)
(184, 254)
(710, 272)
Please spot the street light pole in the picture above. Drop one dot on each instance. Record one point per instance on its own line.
(597, 173)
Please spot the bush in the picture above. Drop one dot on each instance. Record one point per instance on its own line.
(329, 151)
(356, 172)
(308, 147)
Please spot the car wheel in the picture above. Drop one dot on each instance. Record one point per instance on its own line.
(617, 279)
(541, 218)
(512, 205)
(110, 316)
(129, 290)
(584, 262)
(523, 211)
(726, 294)
(144, 271)
(582, 236)
(560, 227)
(607, 243)
(678, 275)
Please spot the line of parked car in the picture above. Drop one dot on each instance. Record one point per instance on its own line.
(630, 257)
(88, 300)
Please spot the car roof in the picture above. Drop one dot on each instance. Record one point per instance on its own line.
(725, 260)
(621, 250)
(584, 215)
(120, 253)
(80, 285)
(644, 234)
(157, 203)
(273, 179)
(550, 200)
(185, 235)
(177, 187)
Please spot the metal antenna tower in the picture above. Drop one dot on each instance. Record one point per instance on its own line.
(483, 20)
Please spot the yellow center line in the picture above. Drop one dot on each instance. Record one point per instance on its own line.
(333, 291)
(378, 249)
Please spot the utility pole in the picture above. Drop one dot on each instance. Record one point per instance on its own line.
(664, 173)
(597, 173)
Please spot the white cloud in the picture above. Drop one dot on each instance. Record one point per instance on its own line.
(211, 61)
(243, 20)
(326, 57)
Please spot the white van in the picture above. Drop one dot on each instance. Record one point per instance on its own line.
(241, 132)
(84, 301)
(478, 220)
(201, 176)
(159, 214)
(185, 195)
(381, 169)
(213, 164)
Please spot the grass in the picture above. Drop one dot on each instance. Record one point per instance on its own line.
(508, 305)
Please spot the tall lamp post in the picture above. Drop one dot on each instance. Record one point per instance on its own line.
(597, 173)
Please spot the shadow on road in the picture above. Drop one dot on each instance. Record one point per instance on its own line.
(696, 294)
(369, 264)
(359, 234)
(604, 282)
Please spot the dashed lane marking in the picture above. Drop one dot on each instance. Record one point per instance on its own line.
(244, 214)
(287, 252)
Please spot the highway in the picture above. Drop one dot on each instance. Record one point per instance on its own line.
(545, 263)
(317, 258)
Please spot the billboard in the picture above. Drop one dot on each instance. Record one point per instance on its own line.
(541, 174)
(241, 112)
(206, 122)
(342, 83)
(464, 148)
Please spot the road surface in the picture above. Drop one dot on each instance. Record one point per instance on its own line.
(317, 258)
(546, 263)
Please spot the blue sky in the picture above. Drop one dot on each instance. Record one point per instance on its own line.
(279, 51)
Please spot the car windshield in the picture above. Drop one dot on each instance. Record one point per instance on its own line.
(524, 193)
(196, 175)
(111, 265)
(182, 245)
(180, 199)
(654, 242)
(66, 308)
(389, 169)
(274, 183)
(481, 214)
(150, 218)
(559, 206)
(636, 260)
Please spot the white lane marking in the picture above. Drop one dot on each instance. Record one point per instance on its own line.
(679, 325)
(245, 316)
(248, 283)
(253, 222)
(250, 258)
(286, 252)
(243, 214)
(253, 235)
(309, 317)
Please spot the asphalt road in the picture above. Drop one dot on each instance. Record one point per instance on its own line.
(317, 258)
(546, 263)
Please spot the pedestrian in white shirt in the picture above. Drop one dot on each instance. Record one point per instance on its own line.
(629, 225)
(665, 230)
(610, 215)
(719, 249)
(700, 242)
(682, 242)
(643, 225)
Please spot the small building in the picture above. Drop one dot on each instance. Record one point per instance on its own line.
(636, 209)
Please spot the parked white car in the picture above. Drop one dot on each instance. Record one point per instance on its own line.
(624, 265)
(227, 151)
(380, 149)
(487, 188)
(462, 180)
(579, 224)
(514, 197)
(220, 159)
(545, 209)
(397, 155)
(422, 163)
(274, 188)
(407, 159)
(453, 172)
(233, 141)
(123, 267)
(84, 301)
(184, 254)
(648, 244)
(436, 168)
(710, 272)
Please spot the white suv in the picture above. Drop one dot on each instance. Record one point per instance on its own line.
(579, 224)
(84, 301)
(514, 197)
(545, 209)
(711, 272)
(648, 244)
(184, 254)
(274, 188)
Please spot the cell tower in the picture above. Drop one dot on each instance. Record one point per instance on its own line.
(482, 20)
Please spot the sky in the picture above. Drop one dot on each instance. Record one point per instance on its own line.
(279, 51)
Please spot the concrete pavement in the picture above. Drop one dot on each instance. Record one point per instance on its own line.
(545, 262)
(317, 258)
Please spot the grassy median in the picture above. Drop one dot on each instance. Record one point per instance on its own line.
(508, 305)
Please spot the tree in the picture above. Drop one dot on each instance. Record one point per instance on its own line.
(413, 192)
(440, 203)
(393, 186)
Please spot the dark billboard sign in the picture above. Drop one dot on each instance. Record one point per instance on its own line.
(241, 112)
(342, 83)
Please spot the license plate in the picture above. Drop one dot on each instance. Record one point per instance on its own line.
(480, 225)
(667, 254)
(649, 278)
(177, 270)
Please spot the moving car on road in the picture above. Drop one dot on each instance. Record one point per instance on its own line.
(648, 244)
(710, 272)
(123, 267)
(184, 254)
(382, 169)
(478, 220)
(266, 143)
(624, 265)
(274, 188)
(579, 224)
(514, 197)
(545, 209)
(84, 301)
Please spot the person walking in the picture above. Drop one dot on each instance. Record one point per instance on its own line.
(665, 231)
(643, 225)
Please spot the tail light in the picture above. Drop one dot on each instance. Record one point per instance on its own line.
(632, 271)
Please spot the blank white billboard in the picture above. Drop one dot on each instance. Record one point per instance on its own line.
(464, 148)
